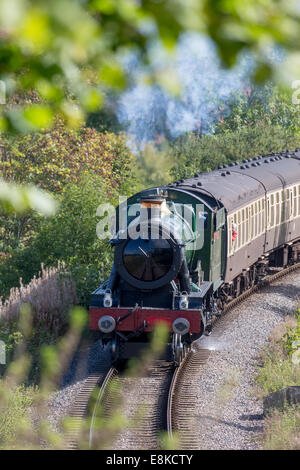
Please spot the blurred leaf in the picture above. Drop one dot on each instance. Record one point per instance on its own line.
(20, 198)
(112, 74)
(50, 361)
(78, 318)
(38, 116)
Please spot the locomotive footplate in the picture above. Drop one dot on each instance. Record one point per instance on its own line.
(147, 317)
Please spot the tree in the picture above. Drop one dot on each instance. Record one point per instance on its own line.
(67, 51)
(55, 158)
(262, 120)
(69, 237)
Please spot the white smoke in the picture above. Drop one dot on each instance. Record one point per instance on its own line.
(206, 90)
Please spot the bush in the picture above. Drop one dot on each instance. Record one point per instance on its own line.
(70, 236)
(54, 158)
(291, 341)
(282, 430)
(154, 165)
(277, 371)
(50, 297)
(14, 412)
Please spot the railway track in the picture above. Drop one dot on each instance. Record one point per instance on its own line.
(164, 393)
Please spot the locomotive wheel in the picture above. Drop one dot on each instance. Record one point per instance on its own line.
(115, 349)
(186, 350)
(177, 349)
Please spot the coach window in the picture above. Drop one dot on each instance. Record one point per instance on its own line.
(281, 206)
(235, 224)
(277, 208)
(299, 199)
(256, 218)
(243, 227)
(281, 193)
(250, 222)
(263, 215)
(229, 228)
(295, 201)
(272, 217)
(253, 221)
(287, 204)
(247, 225)
(239, 229)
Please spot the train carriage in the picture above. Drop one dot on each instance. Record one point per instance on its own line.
(184, 250)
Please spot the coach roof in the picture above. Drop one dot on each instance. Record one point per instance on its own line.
(238, 183)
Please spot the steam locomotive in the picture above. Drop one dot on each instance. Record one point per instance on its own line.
(182, 251)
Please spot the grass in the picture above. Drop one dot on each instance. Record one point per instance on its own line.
(282, 430)
(277, 371)
(14, 413)
(49, 298)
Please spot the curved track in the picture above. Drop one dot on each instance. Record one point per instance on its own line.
(171, 409)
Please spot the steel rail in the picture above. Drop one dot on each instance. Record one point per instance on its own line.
(111, 373)
(179, 371)
(170, 403)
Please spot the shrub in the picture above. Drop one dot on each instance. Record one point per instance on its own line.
(49, 299)
(14, 412)
(51, 159)
(71, 237)
(282, 430)
(277, 374)
(291, 340)
(50, 296)
(278, 371)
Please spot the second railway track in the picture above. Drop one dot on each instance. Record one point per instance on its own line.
(160, 401)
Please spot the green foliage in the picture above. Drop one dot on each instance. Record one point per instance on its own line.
(52, 159)
(291, 341)
(257, 25)
(19, 198)
(262, 105)
(278, 369)
(282, 430)
(154, 165)
(55, 158)
(64, 49)
(278, 373)
(14, 413)
(261, 121)
(194, 154)
(70, 236)
(11, 336)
